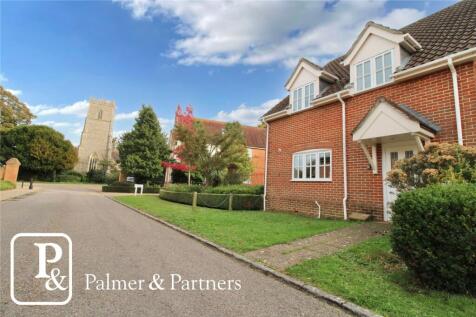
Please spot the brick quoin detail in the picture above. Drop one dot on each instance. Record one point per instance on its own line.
(431, 95)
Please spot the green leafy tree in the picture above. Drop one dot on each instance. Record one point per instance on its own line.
(40, 149)
(142, 150)
(215, 156)
(13, 112)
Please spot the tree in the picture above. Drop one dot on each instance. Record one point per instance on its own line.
(40, 149)
(214, 155)
(13, 111)
(142, 150)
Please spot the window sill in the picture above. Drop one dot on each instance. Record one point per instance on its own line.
(357, 92)
(328, 180)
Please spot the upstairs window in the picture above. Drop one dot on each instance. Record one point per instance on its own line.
(364, 78)
(374, 71)
(303, 96)
(383, 68)
(312, 166)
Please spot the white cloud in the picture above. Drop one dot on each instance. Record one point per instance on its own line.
(58, 124)
(15, 92)
(399, 18)
(264, 32)
(245, 114)
(126, 116)
(118, 133)
(3, 78)
(79, 108)
(78, 130)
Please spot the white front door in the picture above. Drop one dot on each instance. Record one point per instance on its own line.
(390, 154)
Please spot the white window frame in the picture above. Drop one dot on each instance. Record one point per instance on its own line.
(299, 96)
(318, 177)
(373, 70)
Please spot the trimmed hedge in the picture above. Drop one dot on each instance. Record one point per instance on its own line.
(218, 201)
(129, 188)
(179, 197)
(224, 189)
(434, 232)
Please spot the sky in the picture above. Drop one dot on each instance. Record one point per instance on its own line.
(229, 60)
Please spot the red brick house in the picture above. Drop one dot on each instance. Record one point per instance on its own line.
(332, 140)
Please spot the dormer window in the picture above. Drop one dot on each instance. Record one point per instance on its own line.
(302, 97)
(374, 72)
(383, 68)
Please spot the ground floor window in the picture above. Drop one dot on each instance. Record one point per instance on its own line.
(312, 165)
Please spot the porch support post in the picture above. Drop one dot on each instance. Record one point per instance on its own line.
(372, 159)
(419, 142)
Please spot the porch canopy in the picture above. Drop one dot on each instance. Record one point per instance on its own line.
(388, 122)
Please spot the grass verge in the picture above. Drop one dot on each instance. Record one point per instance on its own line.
(6, 185)
(240, 231)
(371, 276)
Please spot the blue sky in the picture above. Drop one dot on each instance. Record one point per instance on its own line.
(228, 60)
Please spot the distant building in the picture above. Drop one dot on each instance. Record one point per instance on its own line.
(96, 139)
(255, 139)
(255, 142)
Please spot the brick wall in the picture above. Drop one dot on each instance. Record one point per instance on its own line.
(431, 95)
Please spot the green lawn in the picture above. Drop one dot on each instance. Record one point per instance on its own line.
(370, 276)
(240, 231)
(6, 185)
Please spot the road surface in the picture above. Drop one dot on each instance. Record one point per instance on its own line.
(110, 238)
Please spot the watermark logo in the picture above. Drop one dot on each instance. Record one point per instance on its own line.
(41, 269)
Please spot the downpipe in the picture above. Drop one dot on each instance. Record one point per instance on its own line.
(454, 77)
(344, 156)
(266, 167)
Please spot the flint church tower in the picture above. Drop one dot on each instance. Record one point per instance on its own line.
(96, 139)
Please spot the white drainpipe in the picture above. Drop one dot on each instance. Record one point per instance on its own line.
(344, 156)
(266, 167)
(454, 76)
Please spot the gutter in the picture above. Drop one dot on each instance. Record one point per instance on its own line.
(437, 64)
(266, 167)
(454, 77)
(344, 156)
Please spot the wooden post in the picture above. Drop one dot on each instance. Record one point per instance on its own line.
(230, 202)
(189, 178)
(194, 200)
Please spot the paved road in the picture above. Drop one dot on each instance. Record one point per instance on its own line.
(110, 238)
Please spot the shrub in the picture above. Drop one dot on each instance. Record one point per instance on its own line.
(179, 197)
(438, 163)
(70, 177)
(119, 187)
(434, 232)
(96, 176)
(236, 189)
(247, 202)
(184, 188)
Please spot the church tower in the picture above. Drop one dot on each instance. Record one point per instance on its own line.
(96, 139)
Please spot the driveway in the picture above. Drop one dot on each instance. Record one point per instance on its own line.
(110, 238)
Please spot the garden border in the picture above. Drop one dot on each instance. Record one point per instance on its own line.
(314, 291)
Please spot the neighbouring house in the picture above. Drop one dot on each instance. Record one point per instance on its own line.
(96, 139)
(255, 142)
(343, 125)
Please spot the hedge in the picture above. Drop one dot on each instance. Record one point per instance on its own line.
(218, 201)
(129, 188)
(179, 197)
(224, 189)
(434, 232)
